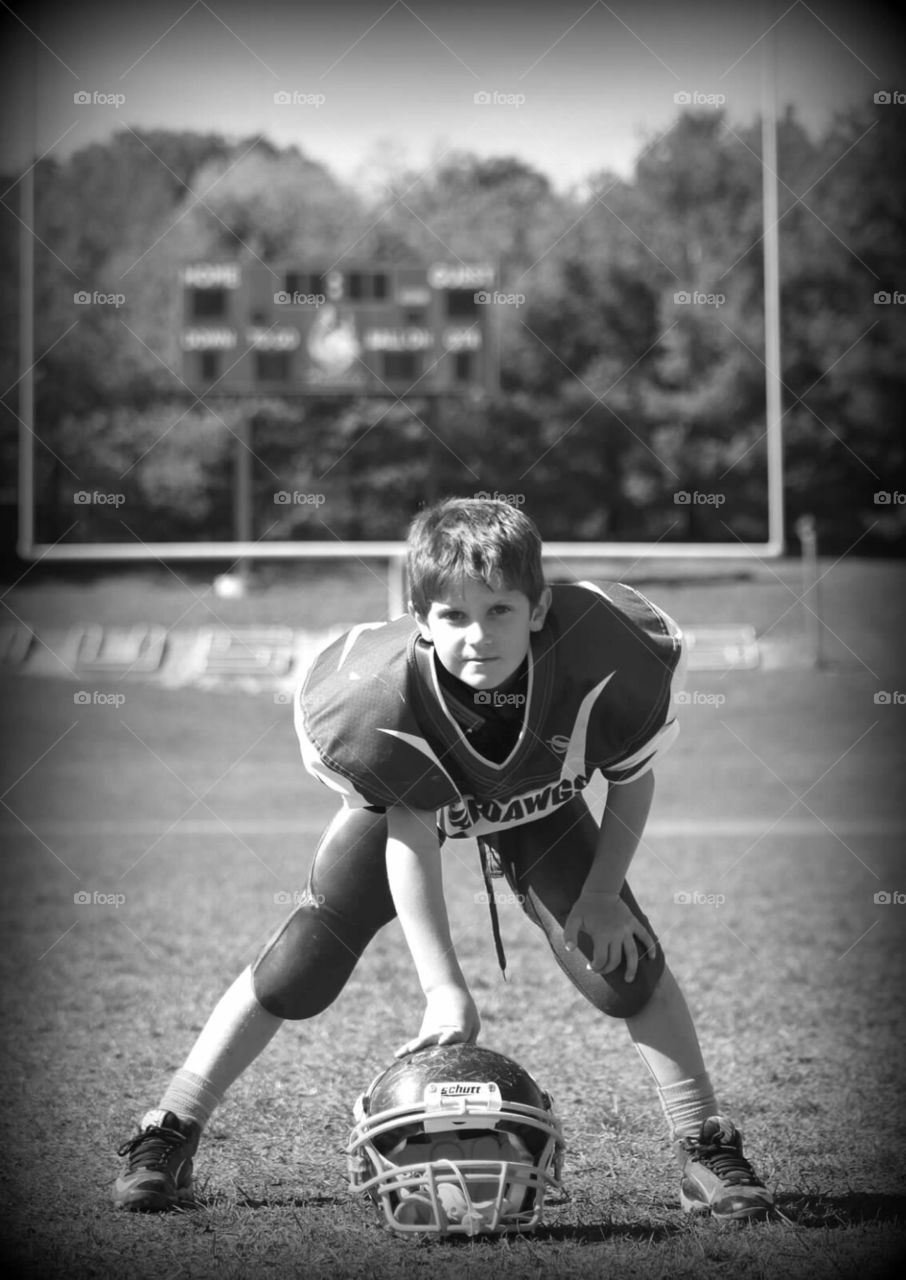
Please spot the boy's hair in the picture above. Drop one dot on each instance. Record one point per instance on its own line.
(480, 538)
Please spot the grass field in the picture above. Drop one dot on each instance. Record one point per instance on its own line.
(786, 799)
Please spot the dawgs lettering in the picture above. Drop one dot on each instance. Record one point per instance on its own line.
(478, 817)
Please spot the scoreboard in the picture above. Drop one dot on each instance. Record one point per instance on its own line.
(368, 330)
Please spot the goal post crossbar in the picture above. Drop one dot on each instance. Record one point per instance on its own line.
(296, 550)
(394, 553)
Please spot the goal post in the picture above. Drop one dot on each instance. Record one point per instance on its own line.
(370, 330)
(392, 554)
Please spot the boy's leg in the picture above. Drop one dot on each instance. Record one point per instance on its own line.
(301, 969)
(304, 966)
(547, 862)
(299, 972)
(664, 1036)
(716, 1177)
(158, 1170)
(231, 1039)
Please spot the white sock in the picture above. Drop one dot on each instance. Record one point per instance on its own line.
(236, 1032)
(188, 1096)
(687, 1104)
(665, 1039)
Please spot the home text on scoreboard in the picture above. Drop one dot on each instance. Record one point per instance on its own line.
(365, 330)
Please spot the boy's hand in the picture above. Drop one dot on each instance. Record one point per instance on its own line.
(451, 1017)
(613, 931)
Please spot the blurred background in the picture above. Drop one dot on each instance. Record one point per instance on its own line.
(605, 163)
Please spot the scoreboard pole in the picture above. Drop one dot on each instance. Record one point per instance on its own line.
(433, 420)
(243, 493)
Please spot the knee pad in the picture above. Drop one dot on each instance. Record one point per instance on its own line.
(610, 993)
(621, 999)
(305, 965)
(301, 970)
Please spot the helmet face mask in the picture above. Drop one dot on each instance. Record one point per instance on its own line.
(455, 1139)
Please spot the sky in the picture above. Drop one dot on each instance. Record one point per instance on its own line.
(570, 88)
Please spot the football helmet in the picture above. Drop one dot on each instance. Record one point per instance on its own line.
(456, 1139)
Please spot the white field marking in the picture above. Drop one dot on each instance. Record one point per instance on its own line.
(658, 827)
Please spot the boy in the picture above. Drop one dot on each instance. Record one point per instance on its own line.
(483, 714)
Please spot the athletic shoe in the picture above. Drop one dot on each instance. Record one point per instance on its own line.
(158, 1171)
(717, 1178)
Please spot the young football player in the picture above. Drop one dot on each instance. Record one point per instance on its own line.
(484, 713)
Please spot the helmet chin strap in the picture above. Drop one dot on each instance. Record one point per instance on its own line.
(459, 1210)
(466, 1196)
(418, 1210)
(486, 854)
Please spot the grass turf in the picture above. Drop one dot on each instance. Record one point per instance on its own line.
(796, 980)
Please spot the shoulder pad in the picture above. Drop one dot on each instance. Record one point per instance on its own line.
(615, 629)
(356, 720)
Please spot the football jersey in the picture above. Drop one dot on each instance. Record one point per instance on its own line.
(374, 725)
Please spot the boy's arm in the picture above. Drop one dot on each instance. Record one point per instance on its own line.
(599, 911)
(416, 885)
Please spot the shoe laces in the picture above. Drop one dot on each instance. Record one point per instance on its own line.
(725, 1160)
(152, 1148)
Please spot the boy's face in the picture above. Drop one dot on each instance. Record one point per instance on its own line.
(480, 635)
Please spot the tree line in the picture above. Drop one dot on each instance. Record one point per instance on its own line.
(630, 375)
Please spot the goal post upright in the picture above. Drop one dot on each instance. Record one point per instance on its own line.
(26, 389)
(771, 248)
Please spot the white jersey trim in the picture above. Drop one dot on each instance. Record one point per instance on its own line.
(485, 761)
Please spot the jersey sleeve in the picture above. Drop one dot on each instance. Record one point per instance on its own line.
(637, 711)
(356, 726)
(351, 792)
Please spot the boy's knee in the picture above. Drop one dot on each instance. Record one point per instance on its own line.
(630, 998)
(304, 966)
(617, 998)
